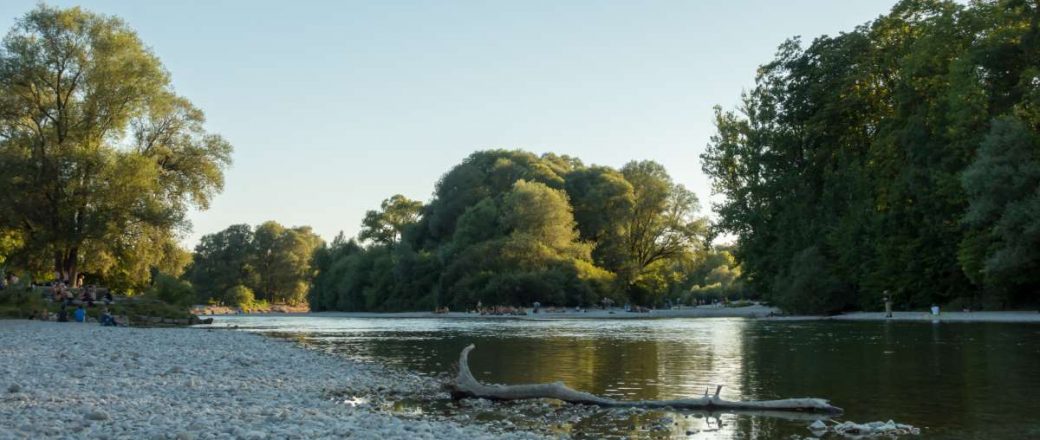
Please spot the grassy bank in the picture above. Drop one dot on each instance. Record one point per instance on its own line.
(139, 311)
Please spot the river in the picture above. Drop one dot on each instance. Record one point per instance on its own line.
(971, 380)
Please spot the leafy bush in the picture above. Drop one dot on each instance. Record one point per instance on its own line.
(240, 296)
(172, 290)
(20, 303)
(808, 286)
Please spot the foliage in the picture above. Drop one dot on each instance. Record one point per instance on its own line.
(879, 152)
(513, 228)
(99, 158)
(173, 291)
(387, 225)
(1002, 251)
(20, 303)
(239, 296)
(273, 261)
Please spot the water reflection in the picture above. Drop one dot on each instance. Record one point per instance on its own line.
(953, 380)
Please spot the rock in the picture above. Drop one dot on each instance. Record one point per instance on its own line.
(14, 388)
(818, 426)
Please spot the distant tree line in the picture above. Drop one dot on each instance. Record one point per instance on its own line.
(903, 156)
(513, 228)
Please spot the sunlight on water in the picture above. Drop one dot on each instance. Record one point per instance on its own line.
(950, 379)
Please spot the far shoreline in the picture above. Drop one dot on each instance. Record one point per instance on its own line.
(757, 312)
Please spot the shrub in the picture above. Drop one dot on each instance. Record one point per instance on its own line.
(172, 290)
(808, 286)
(240, 296)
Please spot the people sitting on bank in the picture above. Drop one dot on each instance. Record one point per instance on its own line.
(85, 297)
(80, 315)
(57, 293)
(106, 319)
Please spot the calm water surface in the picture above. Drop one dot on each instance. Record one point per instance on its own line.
(952, 380)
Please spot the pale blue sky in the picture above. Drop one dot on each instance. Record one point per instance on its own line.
(334, 106)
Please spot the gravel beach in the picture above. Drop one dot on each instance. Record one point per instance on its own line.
(68, 380)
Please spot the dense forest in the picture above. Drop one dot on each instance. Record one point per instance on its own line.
(901, 156)
(513, 228)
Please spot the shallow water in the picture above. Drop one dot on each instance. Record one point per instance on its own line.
(976, 380)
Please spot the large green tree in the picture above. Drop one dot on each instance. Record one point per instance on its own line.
(271, 260)
(851, 152)
(99, 158)
(511, 228)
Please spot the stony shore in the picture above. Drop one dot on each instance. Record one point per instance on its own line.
(68, 380)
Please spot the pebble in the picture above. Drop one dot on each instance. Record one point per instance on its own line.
(188, 383)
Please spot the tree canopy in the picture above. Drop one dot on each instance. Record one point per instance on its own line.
(895, 157)
(512, 228)
(272, 261)
(99, 158)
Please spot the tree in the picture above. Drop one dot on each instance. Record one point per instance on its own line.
(1003, 186)
(662, 224)
(283, 261)
(387, 225)
(856, 147)
(511, 228)
(223, 260)
(273, 261)
(96, 151)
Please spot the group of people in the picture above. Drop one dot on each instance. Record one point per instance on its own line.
(105, 318)
(87, 295)
(66, 294)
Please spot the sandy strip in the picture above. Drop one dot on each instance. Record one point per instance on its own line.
(69, 380)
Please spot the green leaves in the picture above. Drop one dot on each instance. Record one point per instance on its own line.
(853, 151)
(98, 152)
(273, 261)
(511, 228)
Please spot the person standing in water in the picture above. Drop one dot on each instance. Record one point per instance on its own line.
(888, 305)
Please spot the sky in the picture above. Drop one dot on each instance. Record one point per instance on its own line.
(333, 106)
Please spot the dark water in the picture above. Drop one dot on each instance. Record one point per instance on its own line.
(952, 380)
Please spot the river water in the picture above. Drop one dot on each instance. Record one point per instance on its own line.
(956, 381)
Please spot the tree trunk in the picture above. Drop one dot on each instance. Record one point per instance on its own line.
(465, 385)
(66, 264)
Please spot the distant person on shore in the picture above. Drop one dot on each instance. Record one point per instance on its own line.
(106, 318)
(63, 315)
(888, 305)
(80, 315)
(935, 310)
(108, 297)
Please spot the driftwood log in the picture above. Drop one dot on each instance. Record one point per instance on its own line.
(466, 386)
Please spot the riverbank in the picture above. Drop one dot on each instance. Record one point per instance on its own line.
(1030, 316)
(88, 381)
(752, 311)
(756, 311)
